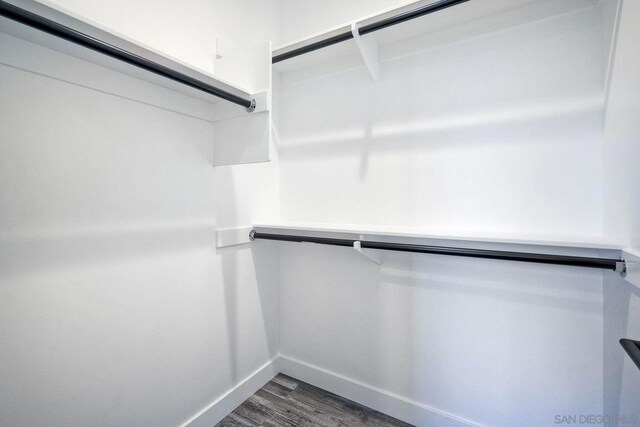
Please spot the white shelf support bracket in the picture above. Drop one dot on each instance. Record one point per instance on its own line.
(369, 50)
(372, 255)
(233, 236)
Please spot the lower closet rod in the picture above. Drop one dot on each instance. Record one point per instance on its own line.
(614, 264)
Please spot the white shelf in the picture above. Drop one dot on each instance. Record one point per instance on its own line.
(96, 31)
(241, 137)
(447, 26)
(558, 241)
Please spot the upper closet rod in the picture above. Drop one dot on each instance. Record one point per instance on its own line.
(369, 28)
(617, 265)
(54, 28)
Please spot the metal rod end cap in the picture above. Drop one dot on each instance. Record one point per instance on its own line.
(251, 107)
(621, 268)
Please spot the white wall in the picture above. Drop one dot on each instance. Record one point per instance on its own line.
(494, 343)
(479, 135)
(622, 149)
(501, 132)
(622, 211)
(115, 306)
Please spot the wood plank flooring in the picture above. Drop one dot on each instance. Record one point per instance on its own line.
(287, 402)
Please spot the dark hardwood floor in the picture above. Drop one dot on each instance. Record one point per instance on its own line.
(287, 402)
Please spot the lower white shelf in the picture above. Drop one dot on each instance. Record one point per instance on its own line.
(372, 241)
(559, 241)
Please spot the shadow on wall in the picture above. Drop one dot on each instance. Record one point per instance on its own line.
(622, 377)
(251, 314)
(38, 252)
(265, 264)
(225, 210)
(516, 125)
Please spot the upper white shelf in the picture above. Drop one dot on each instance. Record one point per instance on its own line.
(558, 241)
(450, 25)
(110, 39)
(55, 43)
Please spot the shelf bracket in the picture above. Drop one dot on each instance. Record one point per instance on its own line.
(233, 236)
(372, 255)
(369, 50)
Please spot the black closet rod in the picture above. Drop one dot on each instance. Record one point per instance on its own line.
(56, 29)
(613, 264)
(369, 28)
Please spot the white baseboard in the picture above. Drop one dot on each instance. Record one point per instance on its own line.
(224, 405)
(396, 406)
(388, 403)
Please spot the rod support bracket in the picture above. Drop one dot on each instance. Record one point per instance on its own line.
(369, 50)
(621, 268)
(372, 256)
(252, 235)
(252, 107)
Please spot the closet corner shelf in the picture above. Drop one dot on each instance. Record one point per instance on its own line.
(58, 30)
(336, 47)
